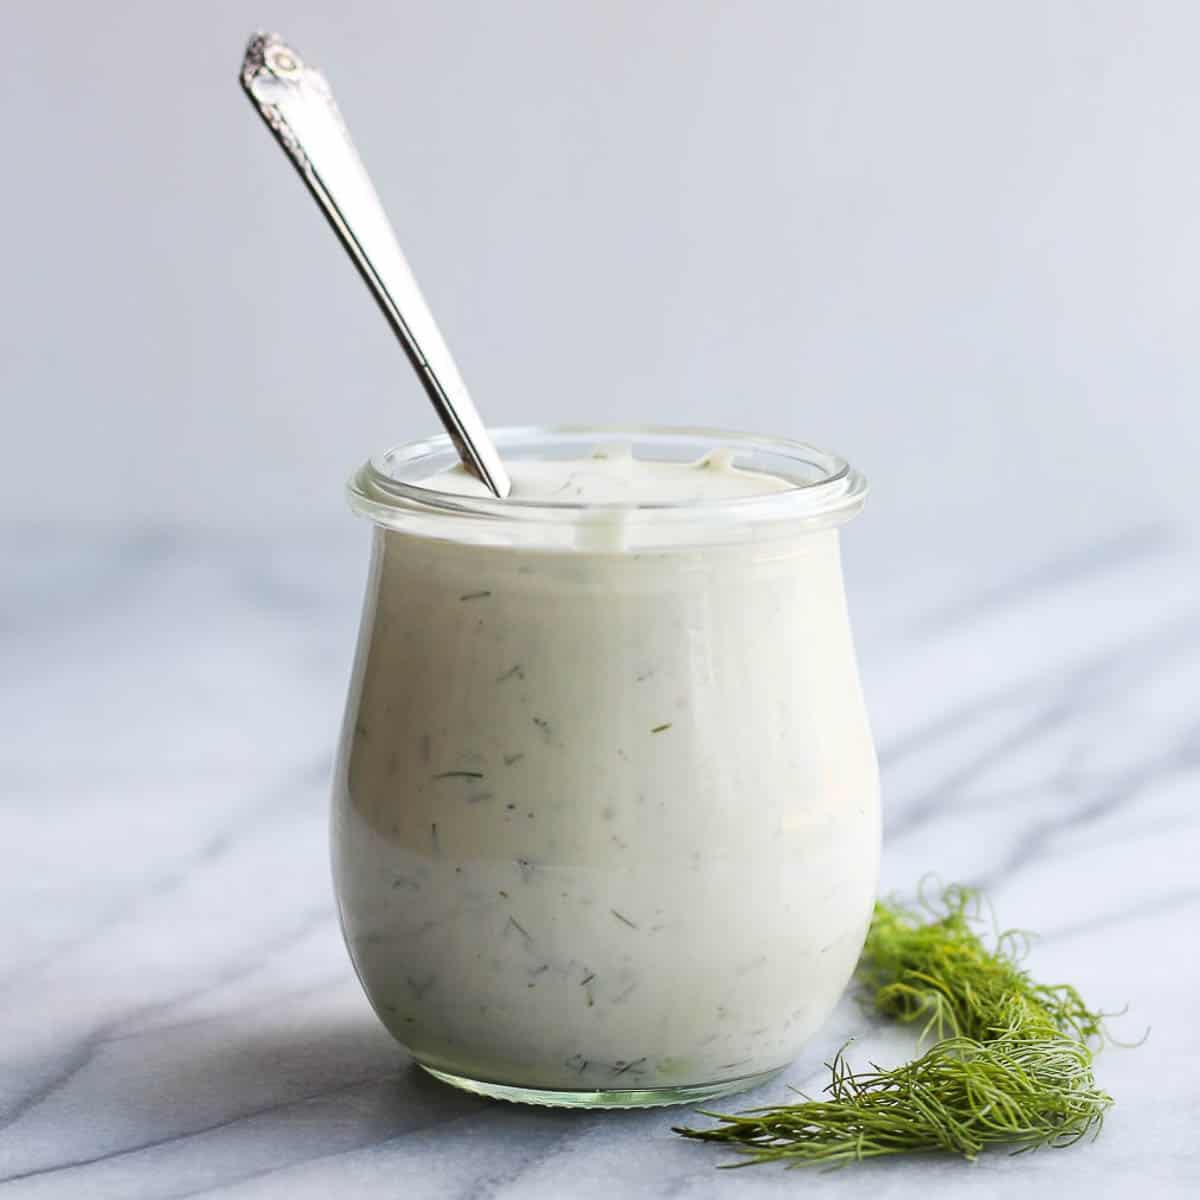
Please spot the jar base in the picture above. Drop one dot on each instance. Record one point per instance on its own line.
(603, 1097)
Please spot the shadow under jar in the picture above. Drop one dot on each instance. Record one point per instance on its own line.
(606, 815)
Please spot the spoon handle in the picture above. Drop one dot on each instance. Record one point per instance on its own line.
(297, 103)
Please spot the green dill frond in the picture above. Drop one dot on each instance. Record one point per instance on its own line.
(1010, 1061)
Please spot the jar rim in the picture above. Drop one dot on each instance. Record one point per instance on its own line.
(825, 490)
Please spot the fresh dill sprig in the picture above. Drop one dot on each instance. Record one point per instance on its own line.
(1010, 1064)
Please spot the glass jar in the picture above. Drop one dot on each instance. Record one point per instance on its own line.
(606, 819)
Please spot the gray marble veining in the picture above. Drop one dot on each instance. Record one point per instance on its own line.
(177, 1014)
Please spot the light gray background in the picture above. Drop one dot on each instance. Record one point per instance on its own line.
(957, 242)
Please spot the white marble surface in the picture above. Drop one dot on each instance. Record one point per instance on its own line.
(177, 1014)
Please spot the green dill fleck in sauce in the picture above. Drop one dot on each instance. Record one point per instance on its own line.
(619, 1068)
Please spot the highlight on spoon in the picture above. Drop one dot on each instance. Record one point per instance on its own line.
(297, 104)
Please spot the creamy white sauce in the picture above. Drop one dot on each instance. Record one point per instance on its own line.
(613, 476)
(606, 820)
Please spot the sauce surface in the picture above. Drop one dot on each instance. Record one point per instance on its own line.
(613, 476)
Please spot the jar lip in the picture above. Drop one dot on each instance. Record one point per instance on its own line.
(388, 488)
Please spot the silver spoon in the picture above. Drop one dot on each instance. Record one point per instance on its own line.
(296, 102)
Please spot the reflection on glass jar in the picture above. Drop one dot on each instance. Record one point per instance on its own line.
(606, 820)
